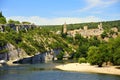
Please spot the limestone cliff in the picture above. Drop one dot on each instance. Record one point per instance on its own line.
(18, 55)
(13, 53)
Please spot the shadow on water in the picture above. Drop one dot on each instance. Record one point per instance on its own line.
(31, 67)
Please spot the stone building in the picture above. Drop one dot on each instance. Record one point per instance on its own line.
(114, 29)
(85, 32)
(65, 28)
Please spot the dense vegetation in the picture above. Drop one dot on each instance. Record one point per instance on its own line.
(106, 25)
(93, 50)
(33, 41)
(107, 52)
(2, 19)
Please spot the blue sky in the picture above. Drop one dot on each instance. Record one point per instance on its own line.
(45, 12)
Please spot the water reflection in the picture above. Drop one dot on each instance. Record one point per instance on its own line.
(48, 72)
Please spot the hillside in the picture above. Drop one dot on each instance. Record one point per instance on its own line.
(106, 25)
(34, 41)
(42, 43)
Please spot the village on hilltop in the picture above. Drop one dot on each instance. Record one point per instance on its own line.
(86, 32)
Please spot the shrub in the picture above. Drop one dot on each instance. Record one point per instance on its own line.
(82, 60)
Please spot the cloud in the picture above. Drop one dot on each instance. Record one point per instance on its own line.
(55, 21)
(97, 4)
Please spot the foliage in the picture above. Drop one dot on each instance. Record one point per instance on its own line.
(3, 51)
(2, 19)
(104, 34)
(28, 49)
(25, 22)
(116, 56)
(1, 14)
(114, 46)
(2, 42)
(107, 52)
(41, 40)
(82, 60)
(60, 56)
(13, 22)
(92, 55)
(106, 25)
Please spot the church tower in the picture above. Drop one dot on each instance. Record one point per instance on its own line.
(65, 28)
(100, 26)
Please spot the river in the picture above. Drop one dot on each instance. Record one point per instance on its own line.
(46, 71)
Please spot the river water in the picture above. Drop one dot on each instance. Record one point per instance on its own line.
(46, 71)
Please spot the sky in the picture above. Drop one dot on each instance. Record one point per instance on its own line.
(55, 12)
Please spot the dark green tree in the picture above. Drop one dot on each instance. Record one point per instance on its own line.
(104, 34)
(2, 19)
(13, 22)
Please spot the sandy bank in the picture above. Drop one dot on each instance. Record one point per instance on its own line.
(88, 68)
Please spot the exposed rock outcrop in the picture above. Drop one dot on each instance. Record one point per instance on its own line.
(18, 55)
(13, 53)
(40, 57)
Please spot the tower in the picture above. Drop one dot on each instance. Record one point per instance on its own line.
(64, 28)
(85, 27)
(100, 26)
(17, 28)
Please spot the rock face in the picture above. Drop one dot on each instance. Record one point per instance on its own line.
(20, 56)
(40, 57)
(17, 27)
(13, 53)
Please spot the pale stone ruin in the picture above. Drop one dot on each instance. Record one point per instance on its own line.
(85, 32)
(65, 28)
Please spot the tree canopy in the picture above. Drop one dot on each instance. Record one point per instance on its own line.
(2, 19)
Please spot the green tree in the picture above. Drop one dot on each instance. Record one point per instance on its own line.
(10, 21)
(82, 60)
(104, 34)
(1, 14)
(94, 56)
(114, 45)
(116, 56)
(25, 22)
(60, 55)
(2, 19)
(3, 43)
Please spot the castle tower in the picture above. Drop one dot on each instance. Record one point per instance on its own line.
(65, 28)
(17, 28)
(100, 26)
(85, 27)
